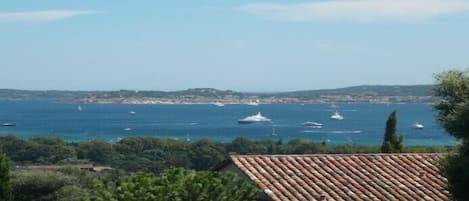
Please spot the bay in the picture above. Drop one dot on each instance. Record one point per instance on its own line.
(362, 124)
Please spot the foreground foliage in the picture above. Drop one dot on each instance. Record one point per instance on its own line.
(41, 185)
(5, 187)
(453, 88)
(147, 154)
(391, 143)
(177, 185)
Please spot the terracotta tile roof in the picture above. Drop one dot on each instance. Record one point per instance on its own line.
(346, 177)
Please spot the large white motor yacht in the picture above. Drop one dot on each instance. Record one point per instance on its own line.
(258, 118)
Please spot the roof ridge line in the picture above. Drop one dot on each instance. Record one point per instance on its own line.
(357, 154)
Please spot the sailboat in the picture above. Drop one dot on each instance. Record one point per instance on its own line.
(337, 116)
(273, 132)
(79, 108)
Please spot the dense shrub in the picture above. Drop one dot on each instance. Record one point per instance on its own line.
(177, 185)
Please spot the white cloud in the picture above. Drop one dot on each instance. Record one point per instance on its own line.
(42, 16)
(359, 10)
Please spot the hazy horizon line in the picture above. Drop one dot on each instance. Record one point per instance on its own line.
(242, 91)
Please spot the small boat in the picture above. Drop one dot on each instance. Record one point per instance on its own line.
(273, 132)
(8, 124)
(79, 108)
(219, 104)
(337, 116)
(258, 118)
(313, 124)
(127, 129)
(333, 106)
(253, 103)
(417, 125)
(132, 112)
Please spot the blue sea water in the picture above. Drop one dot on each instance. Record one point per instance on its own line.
(363, 123)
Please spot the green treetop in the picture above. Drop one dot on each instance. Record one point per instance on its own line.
(178, 185)
(453, 115)
(391, 143)
(5, 187)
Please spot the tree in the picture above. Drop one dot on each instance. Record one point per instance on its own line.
(98, 152)
(177, 185)
(205, 154)
(453, 114)
(5, 188)
(242, 145)
(391, 144)
(13, 147)
(39, 185)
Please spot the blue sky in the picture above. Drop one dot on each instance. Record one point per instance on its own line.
(240, 45)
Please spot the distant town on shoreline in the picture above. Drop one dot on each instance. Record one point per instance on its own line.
(356, 94)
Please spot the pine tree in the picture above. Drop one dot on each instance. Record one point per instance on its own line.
(453, 114)
(391, 143)
(5, 188)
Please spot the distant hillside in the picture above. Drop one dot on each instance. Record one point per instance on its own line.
(365, 93)
(366, 90)
(14, 94)
(203, 92)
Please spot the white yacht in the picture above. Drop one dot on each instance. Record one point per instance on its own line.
(313, 124)
(132, 112)
(337, 116)
(253, 103)
(8, 124)
(219, 104)
(417, 125)
(258, 118)
(333, 105)
(128, 129)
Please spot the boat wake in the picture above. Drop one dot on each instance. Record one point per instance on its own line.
(344, 110)
(347, 132)
(179, 124)
(332, 132)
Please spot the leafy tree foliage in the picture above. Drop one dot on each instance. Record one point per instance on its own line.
(205, 154)
(178, 185)
(5, 188)
(99, 152)
(71, 193)
(44, 150)
(13, 147)
(453, 109)
(154, 155)
(65, 184)
(453, 114)
(391, 143)
(39, 185)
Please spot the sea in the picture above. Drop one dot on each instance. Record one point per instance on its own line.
(362, 124)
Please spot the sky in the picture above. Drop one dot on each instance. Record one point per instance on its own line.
(243, 45)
